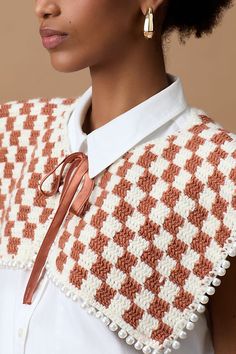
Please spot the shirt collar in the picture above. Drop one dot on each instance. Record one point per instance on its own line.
(107, 143)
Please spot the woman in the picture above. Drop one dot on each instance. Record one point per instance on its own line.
(139, 248)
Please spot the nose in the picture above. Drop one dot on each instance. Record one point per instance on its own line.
(46, 8)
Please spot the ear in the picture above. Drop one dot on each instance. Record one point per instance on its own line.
(155, 4)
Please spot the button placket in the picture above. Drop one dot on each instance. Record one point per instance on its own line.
(22, 332)
(23, 314)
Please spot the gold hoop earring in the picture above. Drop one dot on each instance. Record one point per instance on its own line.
(148, 24)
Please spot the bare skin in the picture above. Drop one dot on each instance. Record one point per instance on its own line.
(107, 37)
(125, 68)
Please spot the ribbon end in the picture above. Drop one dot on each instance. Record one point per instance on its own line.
(32, 285)
(27, 298)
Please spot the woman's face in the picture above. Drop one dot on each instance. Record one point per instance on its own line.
(98, 30)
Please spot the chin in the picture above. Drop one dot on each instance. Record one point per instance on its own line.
(63, 63)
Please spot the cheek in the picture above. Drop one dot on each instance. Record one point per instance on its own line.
(97, 30)
(100, 22)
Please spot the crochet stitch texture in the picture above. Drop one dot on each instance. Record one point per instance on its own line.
(156, 232)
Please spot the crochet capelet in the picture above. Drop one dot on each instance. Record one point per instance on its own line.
(141, 245)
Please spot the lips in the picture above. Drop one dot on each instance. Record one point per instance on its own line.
(51, 38)
(48, 32)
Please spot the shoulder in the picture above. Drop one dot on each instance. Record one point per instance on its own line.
(206, 130)
(38, 105)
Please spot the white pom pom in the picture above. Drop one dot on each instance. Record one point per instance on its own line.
(98, 314)
(74, 297)
(68, 293)
(105, 320)
(216, 282)
(176, 345)
(91, 310)
(113, 326)
(167, 351)
(201, 308)
(138, 345)
(122, 333)
(221, 272)
(190, 326)
(146, 349)
(225, 264)
(204, 299)
(83, 304)
(155, 351)
(232, 252)
(194, 317)
(130, 340)
(29, 265)
(183, 335)
(210, 290)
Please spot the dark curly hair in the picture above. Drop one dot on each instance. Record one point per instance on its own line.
(196, 17)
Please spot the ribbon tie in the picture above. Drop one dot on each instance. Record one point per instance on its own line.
(79, 165)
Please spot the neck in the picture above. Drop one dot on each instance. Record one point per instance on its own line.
(124, 82)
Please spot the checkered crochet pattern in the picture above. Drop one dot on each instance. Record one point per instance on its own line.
(155, 234)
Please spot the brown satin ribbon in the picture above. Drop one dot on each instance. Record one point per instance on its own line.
(79, 165)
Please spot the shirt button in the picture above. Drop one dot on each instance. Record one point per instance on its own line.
(21, 332)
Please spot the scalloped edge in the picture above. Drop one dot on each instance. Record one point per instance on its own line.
(168, 345)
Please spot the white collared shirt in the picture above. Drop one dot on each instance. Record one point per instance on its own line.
(161, 113)
(54, 324)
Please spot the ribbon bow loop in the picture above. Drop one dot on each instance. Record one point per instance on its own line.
(79, 165)
(76, 156)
